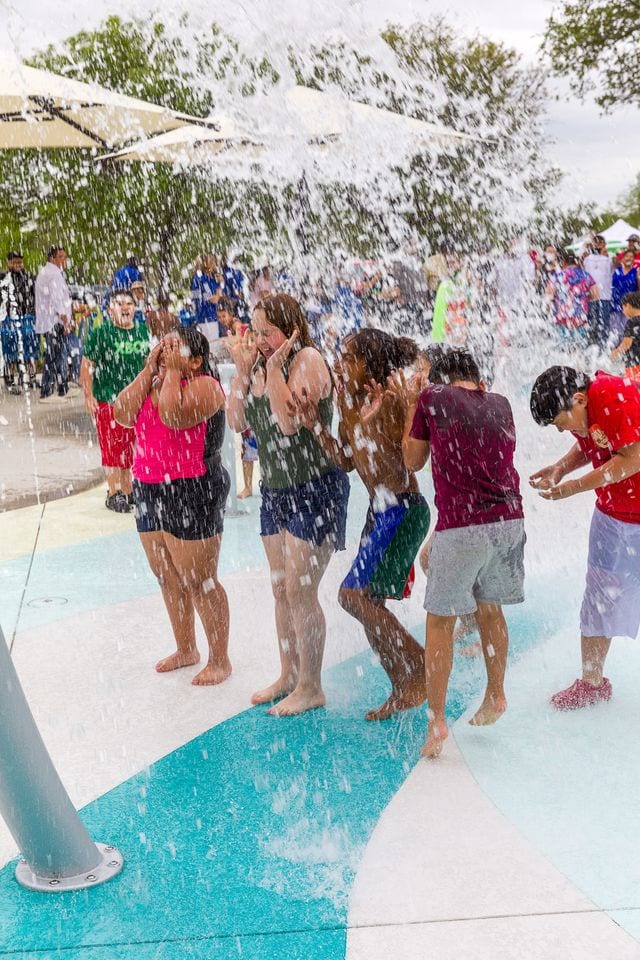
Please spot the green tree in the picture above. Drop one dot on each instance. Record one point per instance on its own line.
(596, 44)
(475, 194)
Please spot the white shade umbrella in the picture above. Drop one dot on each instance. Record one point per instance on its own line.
(191, 144)
(327, 117)
(311, 115)
(43, 110)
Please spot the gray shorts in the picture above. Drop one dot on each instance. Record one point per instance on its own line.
(471, 565)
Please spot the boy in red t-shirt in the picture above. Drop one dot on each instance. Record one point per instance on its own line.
(603, 415)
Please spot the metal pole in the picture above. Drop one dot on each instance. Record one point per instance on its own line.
(58, 852)
(227, 373)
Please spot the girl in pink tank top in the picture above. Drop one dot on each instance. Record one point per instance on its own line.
(176, 406)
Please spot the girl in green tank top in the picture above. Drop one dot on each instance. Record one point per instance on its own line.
(304, 496)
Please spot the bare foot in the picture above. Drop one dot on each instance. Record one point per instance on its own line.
(384, 711)
(177, 660)
(436, 736)
(490, 710)
(244, 494)
(280, 688)
(298, 702)
(412, 696)
(212, 673)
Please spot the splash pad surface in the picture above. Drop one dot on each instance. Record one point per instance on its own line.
(322, 835)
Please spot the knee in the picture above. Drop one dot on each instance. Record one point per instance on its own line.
(350, 600)
(205, 586)
(299, 590)
(278, 585)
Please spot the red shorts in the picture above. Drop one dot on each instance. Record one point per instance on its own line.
(116, 442)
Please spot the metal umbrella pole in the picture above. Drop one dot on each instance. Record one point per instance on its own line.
(57, 851)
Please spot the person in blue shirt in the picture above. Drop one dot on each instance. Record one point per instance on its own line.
(207, 286)
(347, 309)
(625, 279)
(127, 275)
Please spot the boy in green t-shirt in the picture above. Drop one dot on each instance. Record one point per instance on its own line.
(114, 355)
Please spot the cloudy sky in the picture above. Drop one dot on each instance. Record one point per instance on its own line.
(600, 153)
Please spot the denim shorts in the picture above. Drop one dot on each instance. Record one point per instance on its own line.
(311, 511)
(611, 604)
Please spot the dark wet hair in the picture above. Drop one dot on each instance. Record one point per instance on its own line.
(53, 252)
(381, 352)
(554, 391)
(432, 353)
(228, 305)
(631, 299)
(112, 294)
(198, 346)
(453, 366)
(568, 257)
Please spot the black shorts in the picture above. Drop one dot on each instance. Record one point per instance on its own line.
(188, 509)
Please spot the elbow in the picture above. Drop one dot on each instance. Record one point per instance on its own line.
(236, 420)
(287, 426)
(122, 416)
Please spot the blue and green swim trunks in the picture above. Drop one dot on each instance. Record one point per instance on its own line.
(389, 543)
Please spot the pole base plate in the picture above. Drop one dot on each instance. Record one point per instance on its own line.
(110, 865)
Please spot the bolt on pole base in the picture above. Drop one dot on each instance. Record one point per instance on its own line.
(110, 865)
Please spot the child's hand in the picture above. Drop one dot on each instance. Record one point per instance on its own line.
(406, 391)
(244, 353)
(546, 478)
(559, 492)
(172, 354)
(277, 360)
(154, 358)
(303, 409)
(375, 398)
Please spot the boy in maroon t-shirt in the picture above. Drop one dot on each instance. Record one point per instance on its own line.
(477, 557)
(604, 416)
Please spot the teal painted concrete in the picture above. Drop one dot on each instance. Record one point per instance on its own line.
(95, 573)
(253, 830)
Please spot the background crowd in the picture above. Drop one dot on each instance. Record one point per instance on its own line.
(465, 299)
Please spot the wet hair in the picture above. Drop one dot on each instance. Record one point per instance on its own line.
(568, 257)
(553, 392)
(626, 250)
(228, 305)
(432, 353)
(453, 366)
(198, 346)
(381, 352)
(53, 252)
(285, 313)
(112, 294)
(631, 299)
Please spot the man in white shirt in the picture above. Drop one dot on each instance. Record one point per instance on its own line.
(53, 321)
(598, 265)
(514, 278)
